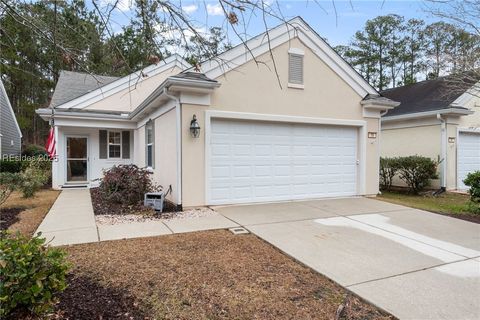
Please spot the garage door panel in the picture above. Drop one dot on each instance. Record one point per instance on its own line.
(468, 156)
(265, 161)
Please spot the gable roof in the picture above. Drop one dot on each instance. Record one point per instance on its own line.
(429, 95)
(283, 33)
(5, 102)
(120, 84)
(71, 85)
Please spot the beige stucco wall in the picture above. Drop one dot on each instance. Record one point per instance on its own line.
(255, 89)
(130, 98)
(165, 160)
(422, 141)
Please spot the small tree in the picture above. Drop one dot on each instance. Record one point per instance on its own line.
(388, 169)
(416, 172)
(8, 182)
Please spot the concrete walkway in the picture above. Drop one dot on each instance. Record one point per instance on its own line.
(412, 263)
(71, 221)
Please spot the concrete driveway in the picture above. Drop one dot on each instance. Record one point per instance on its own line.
(412, 263)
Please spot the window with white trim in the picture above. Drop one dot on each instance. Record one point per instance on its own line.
(114, 144)
(295, 67)
(149, 143)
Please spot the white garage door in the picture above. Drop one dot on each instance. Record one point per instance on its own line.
(468, 156)
(255, 161)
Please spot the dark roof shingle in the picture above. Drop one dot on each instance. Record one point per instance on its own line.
(72, 85)
(429, 95)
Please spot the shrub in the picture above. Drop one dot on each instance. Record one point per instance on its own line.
(32, 179)
(126, 184)
(31, 274)
(8, 182)
(34, 150)
(473, 181)
(388, 169)
(12, 166)
(416, 172)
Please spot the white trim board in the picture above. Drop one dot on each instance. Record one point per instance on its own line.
(360, 124)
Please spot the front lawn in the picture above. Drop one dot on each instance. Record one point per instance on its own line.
(26, 214)
(203, 275)
(453, 204)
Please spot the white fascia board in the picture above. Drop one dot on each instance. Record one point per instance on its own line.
(95, 123)
(281, 34)
(125, 82)
(450, 111)
(464, 98)
(4, 92)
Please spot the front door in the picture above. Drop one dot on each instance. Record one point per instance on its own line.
(77, 159)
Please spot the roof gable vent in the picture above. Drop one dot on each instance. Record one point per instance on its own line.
(295, 67)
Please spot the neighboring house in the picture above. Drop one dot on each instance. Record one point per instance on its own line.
(10, 134)
(311, 133)
(439, 119)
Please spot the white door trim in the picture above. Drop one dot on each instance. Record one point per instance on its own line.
(360, 124)
(86, 136)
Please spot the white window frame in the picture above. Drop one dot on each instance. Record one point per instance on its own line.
(114, 144)
(149, 126)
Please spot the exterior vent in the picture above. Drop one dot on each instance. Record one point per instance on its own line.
(295, 68)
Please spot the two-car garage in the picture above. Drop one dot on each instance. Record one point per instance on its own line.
(261, 161)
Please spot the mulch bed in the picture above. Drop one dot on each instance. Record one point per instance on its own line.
(102, 206)
(9, 216)
(204, 275)
(25, 214)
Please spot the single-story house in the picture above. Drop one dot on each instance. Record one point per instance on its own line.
(439, 119)
(10, 133)
(234, 132)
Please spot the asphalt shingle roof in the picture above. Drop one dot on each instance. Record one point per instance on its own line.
(193, 76)
(72, 85)
(429, 95)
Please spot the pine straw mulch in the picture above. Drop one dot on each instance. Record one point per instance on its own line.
(203, 275)
(26, 214)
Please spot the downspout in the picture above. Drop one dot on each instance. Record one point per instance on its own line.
(379, 141)
(179, 146)
(443, 156)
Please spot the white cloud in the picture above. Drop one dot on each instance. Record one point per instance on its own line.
(190, 8)
(214, 10)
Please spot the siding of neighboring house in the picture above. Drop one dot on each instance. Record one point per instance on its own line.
(253, 88)
(11, 143)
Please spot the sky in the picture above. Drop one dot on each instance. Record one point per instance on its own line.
(337, 20)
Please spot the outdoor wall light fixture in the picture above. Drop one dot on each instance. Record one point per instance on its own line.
(194, 127)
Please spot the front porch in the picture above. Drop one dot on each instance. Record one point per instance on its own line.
(84, 153)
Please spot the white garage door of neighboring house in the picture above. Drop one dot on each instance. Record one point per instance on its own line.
(256, 161)
(468, 156)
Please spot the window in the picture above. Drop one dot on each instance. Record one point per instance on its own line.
(149, 143)
(114, 144)
(295, 68)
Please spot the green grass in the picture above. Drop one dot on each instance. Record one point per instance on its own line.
(448, 203)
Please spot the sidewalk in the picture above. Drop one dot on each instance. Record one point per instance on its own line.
(71, 221)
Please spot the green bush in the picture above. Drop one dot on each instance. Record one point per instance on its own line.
(473, 181)
(12, 166)
(416, 172)
(388, 169)
(33, 178)
(33, 150)
(8, 182)
(31, 274)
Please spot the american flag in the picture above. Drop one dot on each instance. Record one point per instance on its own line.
(50, 146)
